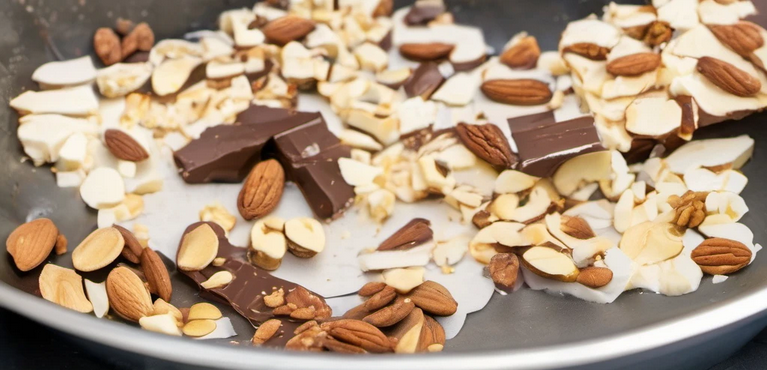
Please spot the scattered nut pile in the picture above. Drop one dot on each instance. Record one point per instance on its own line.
(413, 109)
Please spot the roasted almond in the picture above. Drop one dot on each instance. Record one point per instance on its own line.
(127, 294)
(742, 37)
(588, 50)
(595, 277)
(504, 268)
(634, 64)
(517, 92)
(728, 77)
(488, 143)
(286, 29)
(198, 248)
(414, 233)
(266, 331)
(123, 146)
(132, 249)
(522, 55)
(31, 243)
(380, 299)
(156, 274)
(262, 190)
(434, 298)
(371, 288)
(390, 314)
(576, 227)
(63, 287)
(358, 333)
(98, 250)
(719, 256)
(425, 51)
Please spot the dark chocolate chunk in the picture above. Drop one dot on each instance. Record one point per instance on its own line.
(640, 150)
(426, 79)
(414, 233)
(543, 144)
(424, 11)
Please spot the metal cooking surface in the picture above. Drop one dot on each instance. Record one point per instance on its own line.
(522, 320)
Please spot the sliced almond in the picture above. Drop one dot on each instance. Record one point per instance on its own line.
(203, 311)
(97, 294)
(306, 237)
(161, 323)
(98, 250)
(550, 263)
(162, 307)
(64, 287)
(650, 242)
(199, 328)
(218, 280)
(198, 249)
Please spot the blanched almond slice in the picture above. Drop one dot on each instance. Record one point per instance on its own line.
(550, 263)
(198, 249)
(103, 188)
(203, 311)
(171, 75)
(161, 323)
(650, 242)
(64, 287)
(122, 79)
(66, 72)
(582, 170)
(97, 294)
(217, 280)
(512, 181)
(79, 100)
(199, 328)
(98, 250)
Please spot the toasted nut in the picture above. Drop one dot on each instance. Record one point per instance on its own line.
(380, 299)
(391, 314)
(522, 55)
(160, 323)
(98, 250)
(266, 331)
(504, 268)
(262, 190)
(634, 64)
(215, 212)
(742, 37)
(133, 249)
(416, 232)
(487, 142)
(162, 307)
(199, 328)
(595, 277)
(61, 245)
(106, 43)
(203, 311)
(657, 33)
(576, 227)
(306, 237)
(406, 334)
(588, 50)
(286, 29)
(425, 51)
(156, 274)
(550, 263)
(63, 287)
(276, 299)
(719, 256)
(371, 288)
(333, 345)
(434, 298)
(141, 38)
(689, 209)
(358, 333)
(218, 280)
(299, 298)
(517, 92)
(268, 244)
(127, 294)
(123, 146)
(728, 77)
(432, 337)
(198, 249)
(31, 243)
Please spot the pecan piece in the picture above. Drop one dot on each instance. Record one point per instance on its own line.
(487, 142)
(434, 298)
(719, 256)
(391, 314)
(358, 333)
(689, 209)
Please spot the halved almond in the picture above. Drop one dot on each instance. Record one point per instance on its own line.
(198, 249)
(98, 250)
(64, 287)
(550, 263)
(204, 311)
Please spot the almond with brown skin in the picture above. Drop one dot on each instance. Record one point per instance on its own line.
(728, 77)
(588, 50)
(522, 55)
(517, 92)
(481, 219)
(434, 298)
(391, 314)
(31, 243)
(123, 146)
(266, 331)
(262, 190)
(414, 233)
(106, 43)
(487, 142)
(634, 64)
(141, 38)
(504, 269)
(576, 227)
(432, 337)
(127, 294)
(742, 37)
(156, 274)
(595, 277)
(371, 288)
(719, 256)
(425, 51)
(358, 333)
(380, 299)
(132, 249)
(657, 33)
(286, 29)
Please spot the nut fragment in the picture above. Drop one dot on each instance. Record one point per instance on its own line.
(434, 298)
(127, 294)
(304, 305)
(98, 250)
(689, 209)
(276, 299)
(650, 242)
(262, 190)
(658, 32)
(634, 64)
(728, 77)
(371, 288)
(522, 55)
(156, 274)
(141, 38)
(162, 307)
(218, 280)
(550, 263)
(595, 277)
(198, 249)
(106, 43)
(504, 268)
(487, 142)
(306, 237)
(286, 29)
(216, 212)
(203, 311)
(199, 328)
(266, 331)
(133, 248)
(123, 146)
(160, 323)
(61, 245)
(268, 244)
(425, 51)
(63, 287)
(577, 227)
(517, 92)
(719, 256)
(588, 50)
(31, 243)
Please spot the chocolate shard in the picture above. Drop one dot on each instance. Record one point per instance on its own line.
(416, 232)
(543, 143)
(424, 11)
(426, 79)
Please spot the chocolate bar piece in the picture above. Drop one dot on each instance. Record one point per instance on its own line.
(426, 79)
(543, 144)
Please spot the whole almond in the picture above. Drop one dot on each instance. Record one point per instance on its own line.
(98, 250)
(504, 269)
(262, 189)
(123, 146)
(64, 287)
(522, 55)
(358, 333)
(127, 294)
(742, 37)
(719, 256)
(517, 92)
(577, 227)
(425, 51)
(634, 64)
(380, 299)
(414, 233)
(286, 29)
(106, 43)
(595, 277)
(434, 298)
(487, 142)
(391, 314)
(156, 274)
(728, 77)
(371, 288)
(31, 243)
(588, 50)
(132, 250)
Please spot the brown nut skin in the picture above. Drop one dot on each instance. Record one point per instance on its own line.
(595, 277)
(504, 269)
(106, 43)
(31, 243)
(156, 274)
(719, 256)
(262, 190)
